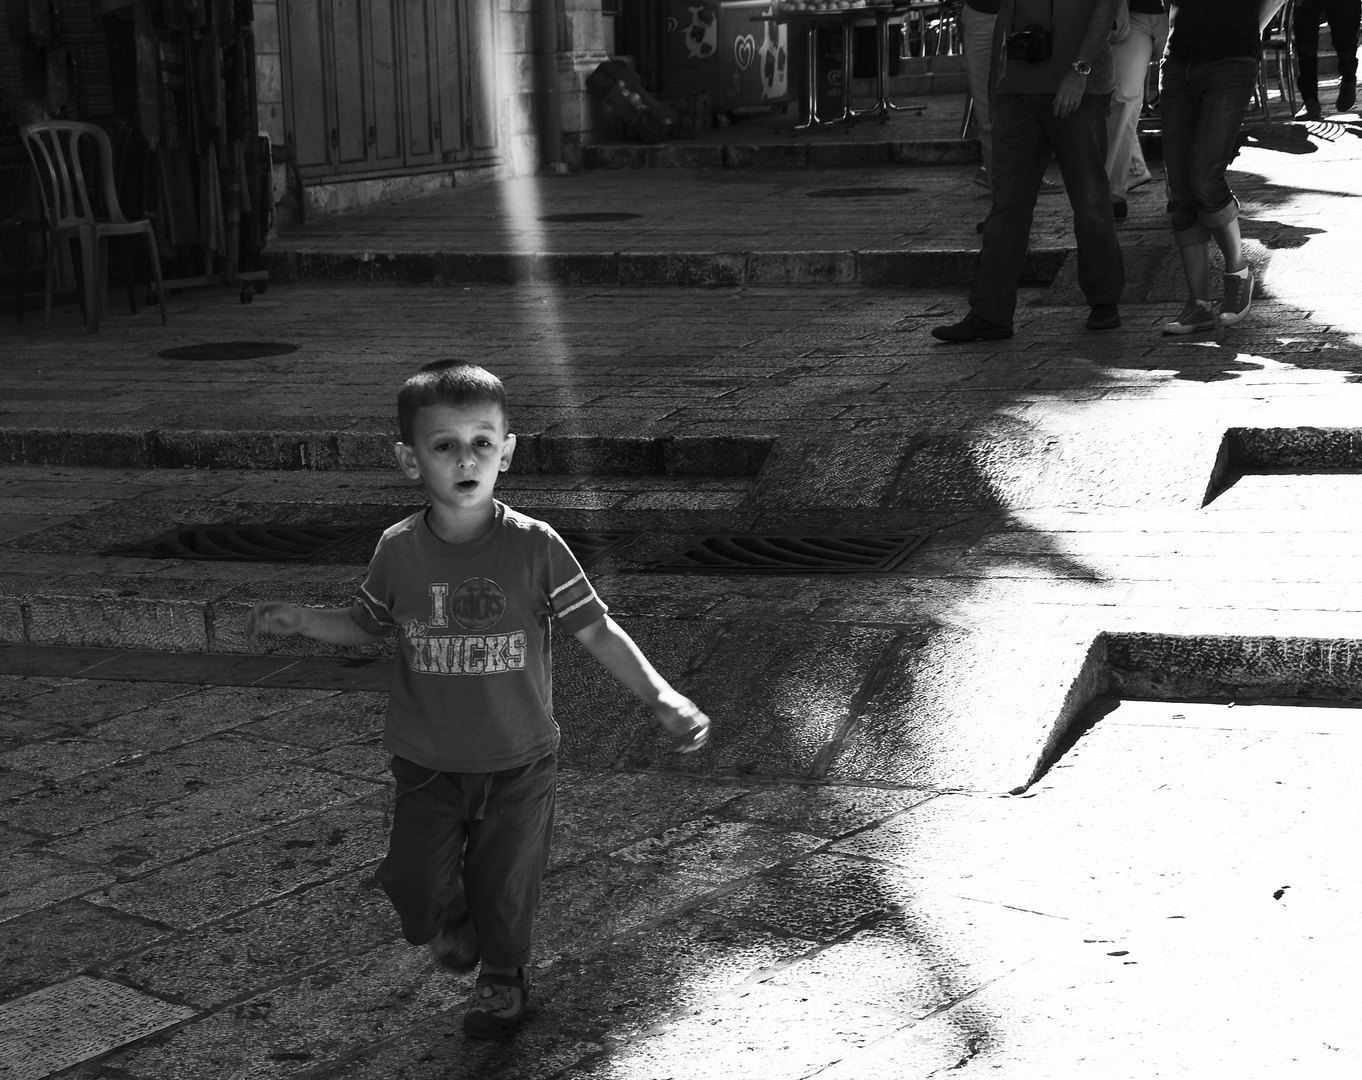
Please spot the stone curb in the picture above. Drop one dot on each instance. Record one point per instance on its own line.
(952, 267)
(1173, 667)
(352, 448)
(783, 155)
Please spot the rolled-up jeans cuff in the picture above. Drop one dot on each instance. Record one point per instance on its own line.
(1218, 219)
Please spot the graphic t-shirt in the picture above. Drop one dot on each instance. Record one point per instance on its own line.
(472, 686)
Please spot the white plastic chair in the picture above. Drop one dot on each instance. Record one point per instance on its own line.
(54, 149)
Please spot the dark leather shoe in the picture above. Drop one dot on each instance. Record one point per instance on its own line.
(1347, 95)
(1103, 317)
(1309, 110)
(972, 328)
(1120, 209)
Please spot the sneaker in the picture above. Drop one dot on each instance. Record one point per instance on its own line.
(1103, 317)
(1238, 298)
(981, 178)
(498, 1007)
(1196, 315)
(1309, 110)
(972, 328)
(1049, 187)
(455, 947)
(1347, 94)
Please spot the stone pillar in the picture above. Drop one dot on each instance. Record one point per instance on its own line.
(585, 40)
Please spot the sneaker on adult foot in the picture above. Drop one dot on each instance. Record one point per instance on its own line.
(972, 328)
(1347, 94)
(1309, 110)
(498, 1007)
(981, 178)
(1195, 315)
(1103, 317)
(1238, 298)
(455, 947)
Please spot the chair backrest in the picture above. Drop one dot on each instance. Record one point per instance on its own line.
(54, 147)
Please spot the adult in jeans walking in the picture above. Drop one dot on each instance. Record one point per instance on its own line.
(1343, 17)
(1140, 36)
(1052, 95)
(1205, 83)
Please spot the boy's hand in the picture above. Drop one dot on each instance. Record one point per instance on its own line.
(683, 719)
(273, 617)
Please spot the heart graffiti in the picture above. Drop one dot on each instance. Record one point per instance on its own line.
(744, 50)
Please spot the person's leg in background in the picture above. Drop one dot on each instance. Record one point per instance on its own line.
(976, 29)
(1305, 19)
(1344, 16)
(1021, 152)
(1080, 142)
(1131, 57)
(1180, 101)
(1228, 89)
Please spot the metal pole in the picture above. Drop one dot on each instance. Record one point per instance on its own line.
(546, 70)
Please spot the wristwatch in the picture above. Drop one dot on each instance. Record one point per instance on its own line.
(1082, 67)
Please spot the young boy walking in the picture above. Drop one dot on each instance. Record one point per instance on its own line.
(472, 585)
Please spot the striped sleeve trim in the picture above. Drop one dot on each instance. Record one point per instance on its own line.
(375, 608)
(567, 585)
(574, 596)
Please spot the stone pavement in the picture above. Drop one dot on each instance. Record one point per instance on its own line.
(860, 875)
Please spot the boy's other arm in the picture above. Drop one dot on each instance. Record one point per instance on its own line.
(331, 625)
(617, 653)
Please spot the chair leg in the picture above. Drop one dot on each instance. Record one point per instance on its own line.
(156, 273)
(969, 114)
(50, 249)
(102, 281)
(89, 275)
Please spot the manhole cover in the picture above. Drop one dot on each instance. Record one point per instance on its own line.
(589, 215)
(748, 554)
(245, 543)
(228, 350)
(860, 192)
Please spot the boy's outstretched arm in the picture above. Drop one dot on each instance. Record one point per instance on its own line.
(618, 654)
(331, 625)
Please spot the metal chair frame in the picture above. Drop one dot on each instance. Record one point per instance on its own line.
(54, 148)
(1279, 39)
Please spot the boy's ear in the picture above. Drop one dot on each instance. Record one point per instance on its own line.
(406, 461)
(507, 452)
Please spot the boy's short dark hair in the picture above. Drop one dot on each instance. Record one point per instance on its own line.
(447, 382)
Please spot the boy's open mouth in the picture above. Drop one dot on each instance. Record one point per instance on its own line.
(467, 485)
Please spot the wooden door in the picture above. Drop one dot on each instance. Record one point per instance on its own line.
(468, 90)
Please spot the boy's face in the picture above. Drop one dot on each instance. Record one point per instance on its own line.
(457, 452)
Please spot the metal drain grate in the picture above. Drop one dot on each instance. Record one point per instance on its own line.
(860, 192)
(590, 546)
(750, 554)
(228, 350)
(246, 543)
(584, 216)
(273, 543)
